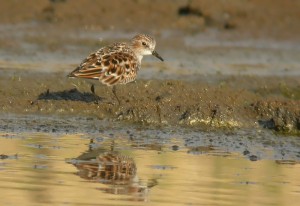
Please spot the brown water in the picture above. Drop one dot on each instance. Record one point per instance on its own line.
(158, 168)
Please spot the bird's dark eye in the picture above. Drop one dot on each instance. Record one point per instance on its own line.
(144, 43)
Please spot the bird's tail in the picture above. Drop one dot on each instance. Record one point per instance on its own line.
(72, 74)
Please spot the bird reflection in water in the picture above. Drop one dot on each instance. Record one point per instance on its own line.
(111, 168)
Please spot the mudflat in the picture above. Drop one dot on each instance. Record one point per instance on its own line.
(226, 65)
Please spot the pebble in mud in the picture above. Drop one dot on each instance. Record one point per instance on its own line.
(175, 147)
(253, 157)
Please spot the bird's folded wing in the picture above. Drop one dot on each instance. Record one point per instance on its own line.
(115, 67)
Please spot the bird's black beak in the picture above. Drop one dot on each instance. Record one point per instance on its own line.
(154, 53)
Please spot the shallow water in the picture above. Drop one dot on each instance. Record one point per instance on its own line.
(132, 166)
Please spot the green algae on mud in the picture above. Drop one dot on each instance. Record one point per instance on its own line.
(153, 102)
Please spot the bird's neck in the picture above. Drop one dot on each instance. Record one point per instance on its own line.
(136, 50)
(139, 57)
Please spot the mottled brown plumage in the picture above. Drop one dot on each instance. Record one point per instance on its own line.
(110, 166)
(117, 63)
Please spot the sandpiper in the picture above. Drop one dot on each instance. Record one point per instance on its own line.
(117, 63)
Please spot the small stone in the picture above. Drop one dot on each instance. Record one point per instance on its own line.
(175, 147)
(246, 152)
(253, 158)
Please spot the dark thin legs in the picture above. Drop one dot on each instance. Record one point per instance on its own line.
(113, 91)
(95, 95)
(93, 89)
(115, 94)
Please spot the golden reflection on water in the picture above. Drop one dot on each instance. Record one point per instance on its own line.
(65, 169)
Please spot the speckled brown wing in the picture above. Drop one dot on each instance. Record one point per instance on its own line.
(115, 64)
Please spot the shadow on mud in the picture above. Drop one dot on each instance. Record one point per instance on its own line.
(71, 95)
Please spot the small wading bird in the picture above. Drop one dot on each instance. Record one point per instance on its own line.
(117, 63)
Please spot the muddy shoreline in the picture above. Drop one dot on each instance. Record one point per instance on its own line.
(158, 102)
(252, 143)
(227, 65)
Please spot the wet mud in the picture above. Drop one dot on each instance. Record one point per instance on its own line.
(227, 66)
(158, 102)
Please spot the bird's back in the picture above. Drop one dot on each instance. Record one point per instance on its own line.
(113, 64)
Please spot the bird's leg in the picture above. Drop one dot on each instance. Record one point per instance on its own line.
(93, 89)
(95, 95)
(115, 94)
